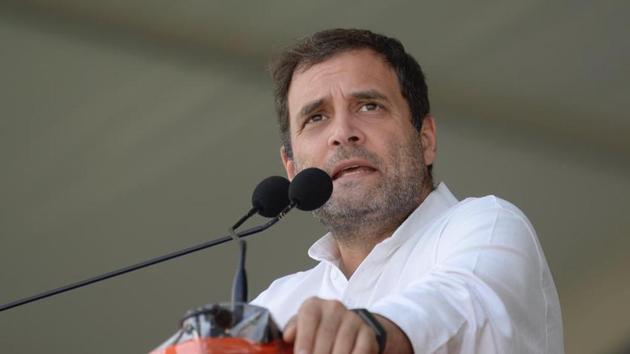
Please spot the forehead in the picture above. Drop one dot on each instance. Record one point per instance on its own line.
(344, 73)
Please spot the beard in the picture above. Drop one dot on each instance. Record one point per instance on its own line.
(357, 210)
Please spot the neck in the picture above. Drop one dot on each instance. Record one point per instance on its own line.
(355, 242)
(354, 252)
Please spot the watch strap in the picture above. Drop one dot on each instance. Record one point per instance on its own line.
(379, 331)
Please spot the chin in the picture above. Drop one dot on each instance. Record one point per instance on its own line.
(355, 201)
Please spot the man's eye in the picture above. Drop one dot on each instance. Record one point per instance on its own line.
(314, 118)
(369, 107)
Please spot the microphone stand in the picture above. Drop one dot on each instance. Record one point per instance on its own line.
(152, 261)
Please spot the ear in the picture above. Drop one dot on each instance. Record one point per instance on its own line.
(428, 136)
(289, 164)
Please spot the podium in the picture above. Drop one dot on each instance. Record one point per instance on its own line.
(226, 329)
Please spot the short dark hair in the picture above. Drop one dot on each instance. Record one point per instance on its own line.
(323, 45)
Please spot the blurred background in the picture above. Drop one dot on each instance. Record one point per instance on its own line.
(129, 129)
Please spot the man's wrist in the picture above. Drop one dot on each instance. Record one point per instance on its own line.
(379, 331)
(397, 340)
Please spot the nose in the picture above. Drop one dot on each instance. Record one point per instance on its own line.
(345, 131)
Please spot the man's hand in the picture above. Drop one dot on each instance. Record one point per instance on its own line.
(327, 326)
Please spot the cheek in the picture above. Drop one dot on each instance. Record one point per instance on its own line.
(303, 156)
(308, 150)
(402, 149)
(386, 144)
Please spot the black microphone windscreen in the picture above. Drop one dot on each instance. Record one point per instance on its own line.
(271, 196)
(310, 189)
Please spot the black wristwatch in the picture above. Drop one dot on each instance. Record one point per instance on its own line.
(379, 331)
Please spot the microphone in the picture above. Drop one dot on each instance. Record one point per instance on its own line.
(267, 199)
(310, 189)
(271, 196)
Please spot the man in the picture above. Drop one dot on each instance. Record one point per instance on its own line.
(432, 274)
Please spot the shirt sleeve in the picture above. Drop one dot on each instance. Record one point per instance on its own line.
(486, 291)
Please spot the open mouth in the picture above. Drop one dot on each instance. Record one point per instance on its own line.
(352, 170)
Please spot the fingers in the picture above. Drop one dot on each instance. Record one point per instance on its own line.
(327, 326)
(308, 320)
(347, 334)
(366, 342)
(317, 324)
(288, 334)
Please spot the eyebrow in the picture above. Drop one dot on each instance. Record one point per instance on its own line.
(362, 95)
(369, 95)
(310, 107)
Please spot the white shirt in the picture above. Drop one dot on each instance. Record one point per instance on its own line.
(456, 277)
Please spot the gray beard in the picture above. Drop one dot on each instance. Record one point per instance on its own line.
(358, 218)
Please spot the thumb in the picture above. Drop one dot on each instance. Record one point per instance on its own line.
(290, 330)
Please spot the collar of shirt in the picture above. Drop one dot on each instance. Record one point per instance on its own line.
(437, 202)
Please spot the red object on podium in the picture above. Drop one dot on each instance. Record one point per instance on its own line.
(226, 329)
(226, 346)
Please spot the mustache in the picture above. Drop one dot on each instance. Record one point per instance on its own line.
(346, 153)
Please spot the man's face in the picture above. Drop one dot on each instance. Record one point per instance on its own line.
(348, 117)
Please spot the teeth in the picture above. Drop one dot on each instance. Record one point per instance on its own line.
(351, 169)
